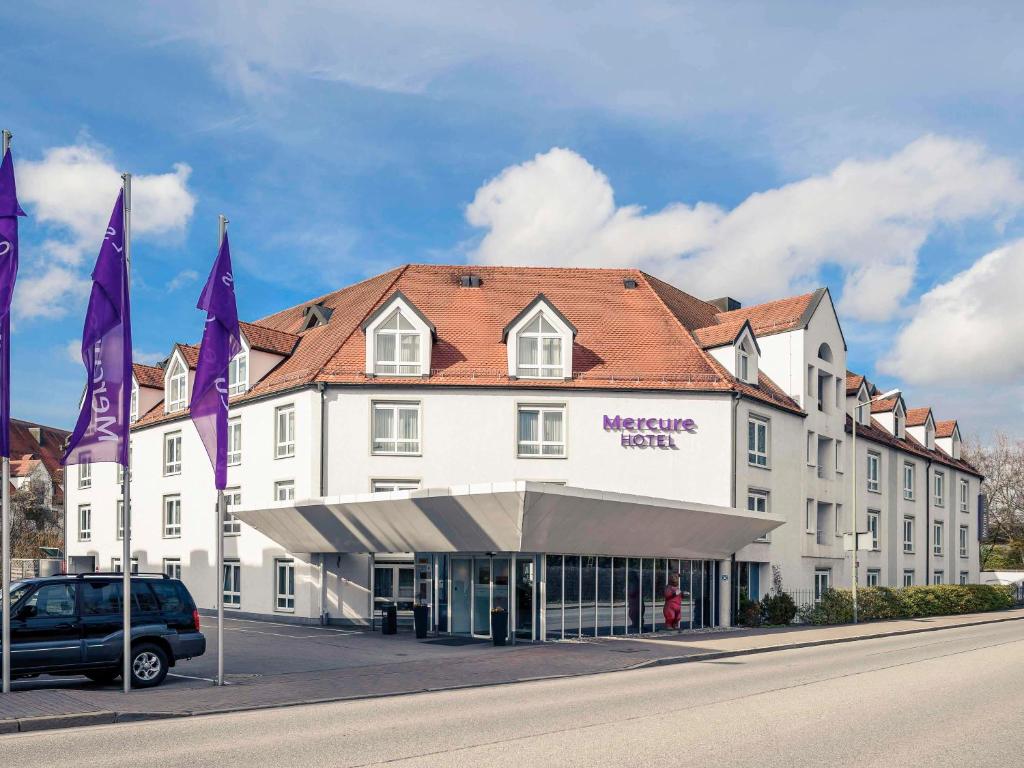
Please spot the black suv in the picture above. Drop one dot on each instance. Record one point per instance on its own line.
(73, 625)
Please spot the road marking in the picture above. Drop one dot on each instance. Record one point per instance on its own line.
(274, 634)
(295, 626)
(192, 677)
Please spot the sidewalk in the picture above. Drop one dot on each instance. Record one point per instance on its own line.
(430, 667)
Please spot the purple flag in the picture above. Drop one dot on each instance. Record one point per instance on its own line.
(9, 213)
(102, 431)
(221, 342)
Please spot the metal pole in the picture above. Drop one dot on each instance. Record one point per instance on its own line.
(5, 507)
(126, 488)
(221, 515)
(853, 508)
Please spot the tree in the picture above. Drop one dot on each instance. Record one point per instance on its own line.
(34, 523)
(1002, 464)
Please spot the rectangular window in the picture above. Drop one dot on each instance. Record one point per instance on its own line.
(232, 584)
(744, 366)
(940, 489)
(115, 565)
(908, 578)
(874, 577)
(908, 534)
(284, 490)
(757, 441)
(963, 495)
(874, 461)
(396, 429)
(382, 486)
(822, 582)
(172, 568)
(839, 518)
(285, 581)
(541, 431)
(812, 448)
(873, 516)
(238, 373)
(284, 431)
(172, 517)
(839, 456)
(120, 519)
(937, 530)
(172, 453)
(234, 442)
(757, 501)
(812, 382)
(964, 539)
(908, 481)
(85, 523)
(939, 577)
(809, 515)
(133, 412)
(232, 498)
(965, 577)
(85, 475)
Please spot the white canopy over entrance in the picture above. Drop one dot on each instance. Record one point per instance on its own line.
(509, 517)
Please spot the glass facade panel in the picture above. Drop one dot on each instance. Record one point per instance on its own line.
(604, 596)
(481, 596)
(697, 581)
(620, 622)
(572, 596)
(633, 597)
(647, 579)
(660, 582)
(588, 595)
(553, 591)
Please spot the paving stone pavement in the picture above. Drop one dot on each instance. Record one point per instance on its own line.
(313, 665)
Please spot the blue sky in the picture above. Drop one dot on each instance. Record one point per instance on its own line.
(748, 149)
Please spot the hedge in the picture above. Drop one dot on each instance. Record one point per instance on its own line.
(876, 603)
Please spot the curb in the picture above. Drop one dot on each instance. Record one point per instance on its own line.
(50, 722)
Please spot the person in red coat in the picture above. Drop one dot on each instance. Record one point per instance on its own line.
(673, 602)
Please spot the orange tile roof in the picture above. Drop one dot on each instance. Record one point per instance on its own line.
(148, 375)
(879, 434)
(721, 334)
(27, 451)
(884, 406)
(945, 428)
(853, 382)
(268, 339)
(917, 417)
(626, 338)
(774, 316)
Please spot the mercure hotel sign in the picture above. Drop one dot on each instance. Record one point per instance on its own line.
(644, 432)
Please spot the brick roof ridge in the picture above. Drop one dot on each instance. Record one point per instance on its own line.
(657, 284)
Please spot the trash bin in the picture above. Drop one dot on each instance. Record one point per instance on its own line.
(389, 625)
(499, 626)
(421, 620)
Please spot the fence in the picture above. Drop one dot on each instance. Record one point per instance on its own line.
(30, 568)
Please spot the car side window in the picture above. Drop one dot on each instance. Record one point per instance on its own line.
(51, 601)
(169, 596)
(101, 598)
(143, 599)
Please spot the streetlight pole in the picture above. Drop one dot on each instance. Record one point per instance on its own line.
(853, 500)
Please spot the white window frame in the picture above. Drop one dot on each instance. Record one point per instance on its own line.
(395, 367)
(939, 489)
(171, 516)
(172, 567)
(396, 407)
(238, 372)
(965, 541)
(284, 602)
(965, 577)
(234, 441)
(85, 522)
(115, 565)
(120, 519)
(541, 370)
(284, 433)
(177, 385)
(284, 490)
(822, 582)
(938, 576)
(172, 455)
(938, 535)
(908, 534)
(557, 449)
(909, 476)
(378, 485)
(874, 520)
(232, 577)
(743, 364)
(874, 472)
(85, 475)
(758, 500)
(232, 525)
(874, 577)
(964, 496)
(908, 577)
(756, 455)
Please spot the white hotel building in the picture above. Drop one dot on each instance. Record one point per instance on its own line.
(550, 441)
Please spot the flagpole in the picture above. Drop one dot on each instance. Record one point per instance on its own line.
(221, 515)
(126, 486)
(5, 566)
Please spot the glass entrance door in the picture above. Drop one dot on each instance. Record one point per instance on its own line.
(462, 584)
(524, 598)
(482, 596)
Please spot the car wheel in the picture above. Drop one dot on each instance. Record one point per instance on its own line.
(149, 665)
(105, 676)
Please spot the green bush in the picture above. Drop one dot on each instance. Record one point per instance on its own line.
(877, 603)
(777, 608)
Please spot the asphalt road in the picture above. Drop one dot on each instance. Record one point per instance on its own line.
(949, 698)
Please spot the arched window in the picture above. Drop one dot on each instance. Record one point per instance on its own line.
(238, 373)
(825, 353)
(397, 345)
(177, 387)
(540, 350)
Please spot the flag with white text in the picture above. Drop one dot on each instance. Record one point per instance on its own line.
(9, 213)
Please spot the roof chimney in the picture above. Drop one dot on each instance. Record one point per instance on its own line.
(470, 281)
(725, 303)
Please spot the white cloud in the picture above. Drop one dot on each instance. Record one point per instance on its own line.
(74, 351)
(147, 358)
(969, 329)
(50, 293)
(180, 280)
(869, 218)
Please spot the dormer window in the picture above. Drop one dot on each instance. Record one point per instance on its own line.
(397, 344)
(863, 413)
(177, 386)
(929, 434)
(133, 412)
(238, 373)
(899, 421)
(746, 358)
(540, 350)
(744, 365)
